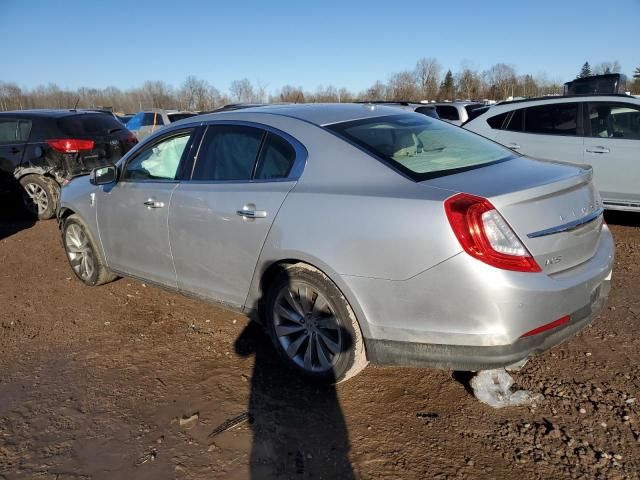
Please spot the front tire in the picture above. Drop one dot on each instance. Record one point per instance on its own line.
(82, 253)
(40, 196)
(313, 326)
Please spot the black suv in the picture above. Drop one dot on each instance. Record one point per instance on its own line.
(40, 150)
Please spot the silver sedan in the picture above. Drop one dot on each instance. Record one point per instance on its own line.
(361, 234)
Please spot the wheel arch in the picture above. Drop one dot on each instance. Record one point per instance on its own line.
(267, 271)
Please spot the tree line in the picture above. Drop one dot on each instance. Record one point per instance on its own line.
(426, 81)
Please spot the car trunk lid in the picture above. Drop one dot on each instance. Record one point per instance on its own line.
(552, 207)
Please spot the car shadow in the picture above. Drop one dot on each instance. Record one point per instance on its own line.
(625, 219)
(299, 430)
(13, 216)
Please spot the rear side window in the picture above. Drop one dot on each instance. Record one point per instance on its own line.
(555, 119)
(497, 120)
(174, 117)
(151, 119)
(276, 159)
(228, 152)
(447, 112)
(516, 122)
(421, 147)
(614, 120)
(88, 124)
(14, 131)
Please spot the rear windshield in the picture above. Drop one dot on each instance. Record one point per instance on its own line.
(89, 124)
(421, 147)
(174, 117)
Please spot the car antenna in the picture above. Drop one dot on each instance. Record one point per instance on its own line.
(75, 107)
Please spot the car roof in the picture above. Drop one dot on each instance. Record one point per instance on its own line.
(48, 113)
(577, 98)
(458, 103)
(316, 113)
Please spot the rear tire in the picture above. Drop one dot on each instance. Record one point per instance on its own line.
(313, 327)
(40, 196)
(83, 255)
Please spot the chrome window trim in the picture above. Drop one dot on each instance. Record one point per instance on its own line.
(296, 170)
(566, 227)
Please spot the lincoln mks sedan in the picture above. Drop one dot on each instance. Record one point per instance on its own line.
(353, 233)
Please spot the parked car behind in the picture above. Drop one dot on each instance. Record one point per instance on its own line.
(361, 233)
(456, 113)
(599, 130)
(42, 149)
(423, 108)
(148, 121)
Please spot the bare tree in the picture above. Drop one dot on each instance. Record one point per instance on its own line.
(427, 75)
(402, 86)
(242, 91)
(290, 94)
(607, 67)
(502, 80)
(468, 84)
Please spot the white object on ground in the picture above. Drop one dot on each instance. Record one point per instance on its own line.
(493, 387)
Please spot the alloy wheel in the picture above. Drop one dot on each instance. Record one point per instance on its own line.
(306, 327)
(36, 198)
(79, 251)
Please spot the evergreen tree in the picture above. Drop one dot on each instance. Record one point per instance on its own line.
(447, 86)
(585, 71)
(636, 74)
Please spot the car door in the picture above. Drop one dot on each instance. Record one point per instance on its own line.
(132, 213)
(14, 134)
(612, 148)
(219, 220)
(549, 132)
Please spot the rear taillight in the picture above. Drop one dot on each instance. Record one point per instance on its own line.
(485, 235)
(70, 145)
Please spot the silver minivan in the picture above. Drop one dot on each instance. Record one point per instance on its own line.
(599, 130)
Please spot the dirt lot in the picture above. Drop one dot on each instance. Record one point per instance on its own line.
(129, 381)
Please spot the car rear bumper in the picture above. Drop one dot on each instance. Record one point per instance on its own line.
(474, 358)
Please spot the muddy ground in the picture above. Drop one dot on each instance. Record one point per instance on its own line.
(130, 381)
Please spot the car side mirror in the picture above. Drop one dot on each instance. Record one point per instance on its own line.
(103, 175)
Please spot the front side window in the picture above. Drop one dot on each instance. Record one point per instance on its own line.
(228, 152)
(555, 119)
(421, 147)
(160, 161)
(609, 120)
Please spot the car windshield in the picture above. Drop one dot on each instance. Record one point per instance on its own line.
(421, 147)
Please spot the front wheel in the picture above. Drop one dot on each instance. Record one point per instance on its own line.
(83, 256)
(313, 327)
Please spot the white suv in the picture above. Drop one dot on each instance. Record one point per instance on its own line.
(599, 130)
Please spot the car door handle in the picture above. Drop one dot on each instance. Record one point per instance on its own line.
(514, 146)
(598, 149)
(151, 203)
(252, 213)
(15, 150)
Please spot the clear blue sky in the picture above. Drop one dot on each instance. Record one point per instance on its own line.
(98, 43)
